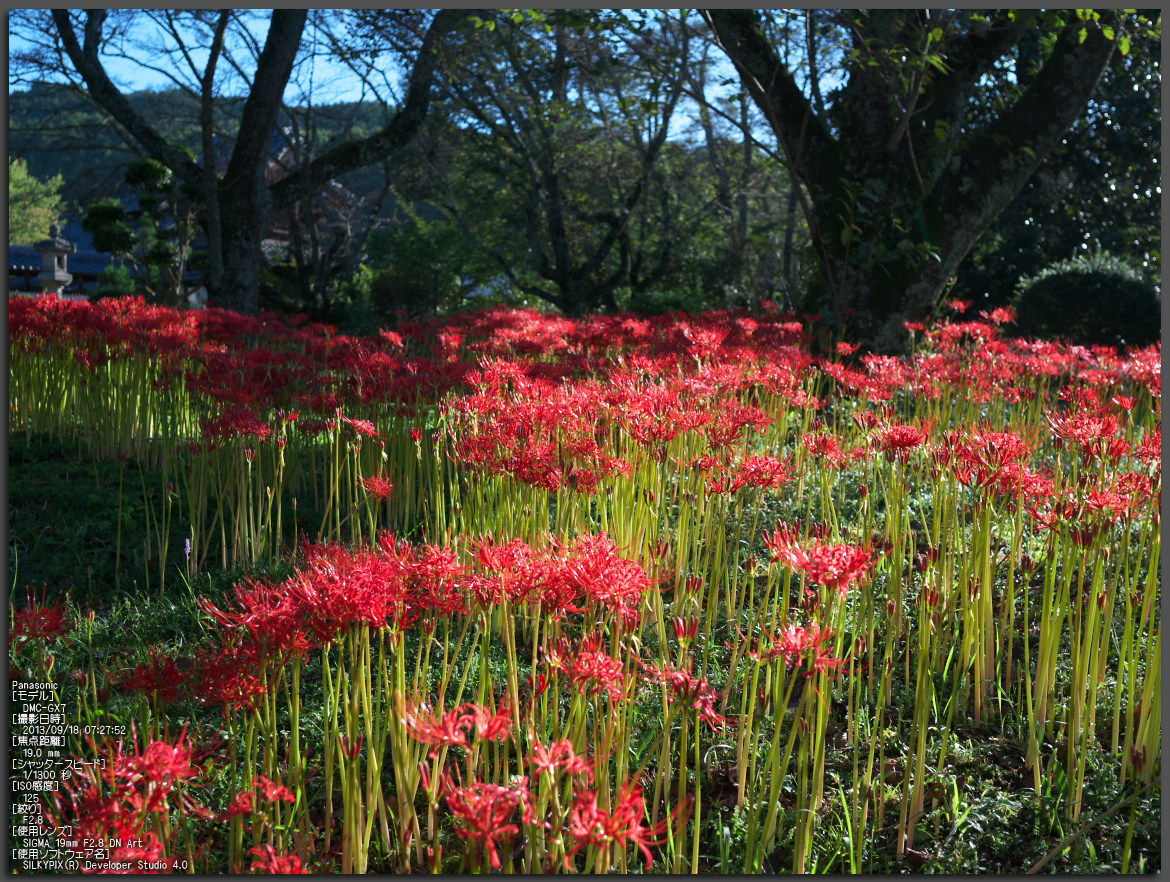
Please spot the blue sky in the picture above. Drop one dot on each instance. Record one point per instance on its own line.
(332, 81)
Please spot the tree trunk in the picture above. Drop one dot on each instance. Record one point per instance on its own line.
(210, 180)
(890, 230)
(244, 215)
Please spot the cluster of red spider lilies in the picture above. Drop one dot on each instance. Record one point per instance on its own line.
(664, 572)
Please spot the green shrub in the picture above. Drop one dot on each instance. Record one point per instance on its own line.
(114, 281)
(418, 267)
(1098, 299)
(677, 299)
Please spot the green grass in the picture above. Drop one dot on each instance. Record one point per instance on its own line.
(63, 519)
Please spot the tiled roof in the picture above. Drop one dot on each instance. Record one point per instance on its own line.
(25, 259)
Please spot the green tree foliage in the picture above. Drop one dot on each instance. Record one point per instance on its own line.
(597, 160)
(106, 221)
(1099, 189)
(168, 213)
(564, 184)
(579, 177)
(61, 131)
(114, 281)
(1098, 299)
(33, 205)
(422, 267)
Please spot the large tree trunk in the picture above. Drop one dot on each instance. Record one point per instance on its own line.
(244, 201)
(243, 217)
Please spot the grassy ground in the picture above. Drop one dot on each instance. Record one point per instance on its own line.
(72, 533)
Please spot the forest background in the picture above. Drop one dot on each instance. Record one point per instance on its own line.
(601, 160)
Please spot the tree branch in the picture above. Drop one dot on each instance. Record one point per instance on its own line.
(804, 136)
(397, 133)
(105, 93)
(273, 68)
(967, 198)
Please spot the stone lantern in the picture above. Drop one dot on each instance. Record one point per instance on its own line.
(53, 277)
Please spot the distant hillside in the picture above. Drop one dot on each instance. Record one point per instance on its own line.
(58, 131)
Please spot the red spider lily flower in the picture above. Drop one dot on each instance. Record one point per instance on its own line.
(959, 306)
(595, 671)
(1115, 449)
(980, 458)
(266, 860)
(1002, 315)
(1136, 489)
(887, 372)
(362, 427)
(559, 755)
(110, 801)
(392, 339)
(338, 588)
(271, 616)
(160, 763)
(447, 730)
(822, 662)
(1149, 452)
(897, 441)
(491, 726)
(241, 804)
(39, 621)
(270, 791)
(158, 677)
(591, 825)
(484, 813)
(830, 566)
(763, 471)
(229, 677)
(595, 568)
(705, 342)
(434, 581)
(379, 488)
(237, 422)
(794, 642)
(914, 327)
(502, 557)
(1090, 432)
(825, 445)
(846, 349)
(696, 693)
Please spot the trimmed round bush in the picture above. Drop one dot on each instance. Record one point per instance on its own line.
(1098, 299)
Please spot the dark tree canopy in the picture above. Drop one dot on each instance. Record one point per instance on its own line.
(929, 136)
(1098, 190)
